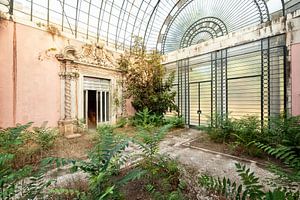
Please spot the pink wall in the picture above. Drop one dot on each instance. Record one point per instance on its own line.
(37, 80)
(6, 74)
(38, 93)
(295, 75)
(34, 75)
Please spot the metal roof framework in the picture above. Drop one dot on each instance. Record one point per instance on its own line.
(165, 25)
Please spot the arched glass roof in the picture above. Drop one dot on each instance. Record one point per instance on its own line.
(165, 25)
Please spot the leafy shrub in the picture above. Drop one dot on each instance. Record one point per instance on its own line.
(144, 80)
(247, 129)
(10, 138)
(10, 187)
(105, 160)
(161, 172)
(121, 122)
(284, 130)
(146, 118)
(45, 137)
(175, 121)
(221, 130)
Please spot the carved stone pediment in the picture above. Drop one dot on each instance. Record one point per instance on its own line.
(94, 54)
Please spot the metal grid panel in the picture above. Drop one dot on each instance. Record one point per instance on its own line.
(248, 79)
(161, 23)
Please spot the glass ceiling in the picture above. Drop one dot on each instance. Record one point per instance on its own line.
(165, 25)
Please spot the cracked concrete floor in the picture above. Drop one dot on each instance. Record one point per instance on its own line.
(206, 162)
(200, 161)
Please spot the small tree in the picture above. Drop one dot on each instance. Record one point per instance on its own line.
(146, 81)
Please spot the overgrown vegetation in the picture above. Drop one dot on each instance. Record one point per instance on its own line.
(146, 118)
(279, 138)
(145, 80)
(161, 174)
(250, 188)
(16, 152)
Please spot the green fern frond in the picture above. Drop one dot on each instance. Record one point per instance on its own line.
(284, 153)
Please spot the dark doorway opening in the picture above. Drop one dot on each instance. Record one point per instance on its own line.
(92, 116)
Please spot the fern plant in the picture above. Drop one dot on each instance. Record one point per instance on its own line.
(148, 139)
(105, 160)
(161, 172)
(249, 189)
(145, 118)
(19, 183)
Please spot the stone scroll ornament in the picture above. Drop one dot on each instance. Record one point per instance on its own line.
(94, 54)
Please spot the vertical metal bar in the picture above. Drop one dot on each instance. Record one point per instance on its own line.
(105, 107)
(285, 81)
(211, 89)
(101, 106)
(48, 12)
(86, 107)
(31, 9)
(76, 18)
(62, 15)
(283, 7)
(199, 103)
(11, 7)
(88, 20)
(181, 91)
(216, 87)
(262, 86)
(226, 85)
(97, 107)
(269, 76)
(185, 99)
(221, 85)
(188, 88)
(178, 100)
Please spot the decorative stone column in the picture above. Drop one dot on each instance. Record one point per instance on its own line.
(68, 74)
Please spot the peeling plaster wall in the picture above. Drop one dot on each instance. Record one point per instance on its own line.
(30, 88)
(6, 74)
(295, 76)
(37, 94)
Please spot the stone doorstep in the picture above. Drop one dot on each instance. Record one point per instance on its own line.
(72, 136)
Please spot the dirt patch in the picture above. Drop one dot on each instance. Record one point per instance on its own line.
(203, 141)
(135, 190)
(129, 131)
(76, 148)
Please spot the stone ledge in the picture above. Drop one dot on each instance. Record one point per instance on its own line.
(71, 136)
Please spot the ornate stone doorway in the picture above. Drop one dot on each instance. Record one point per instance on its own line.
(96, 100)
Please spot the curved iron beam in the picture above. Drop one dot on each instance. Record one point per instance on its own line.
(135, 21)
(155, 7)
(201, 31)
(112, 4)
(88, 20)
(116, 38)
(98, 26)
(76, 18)
(190, 32)
(182, 6)
(127, 23)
